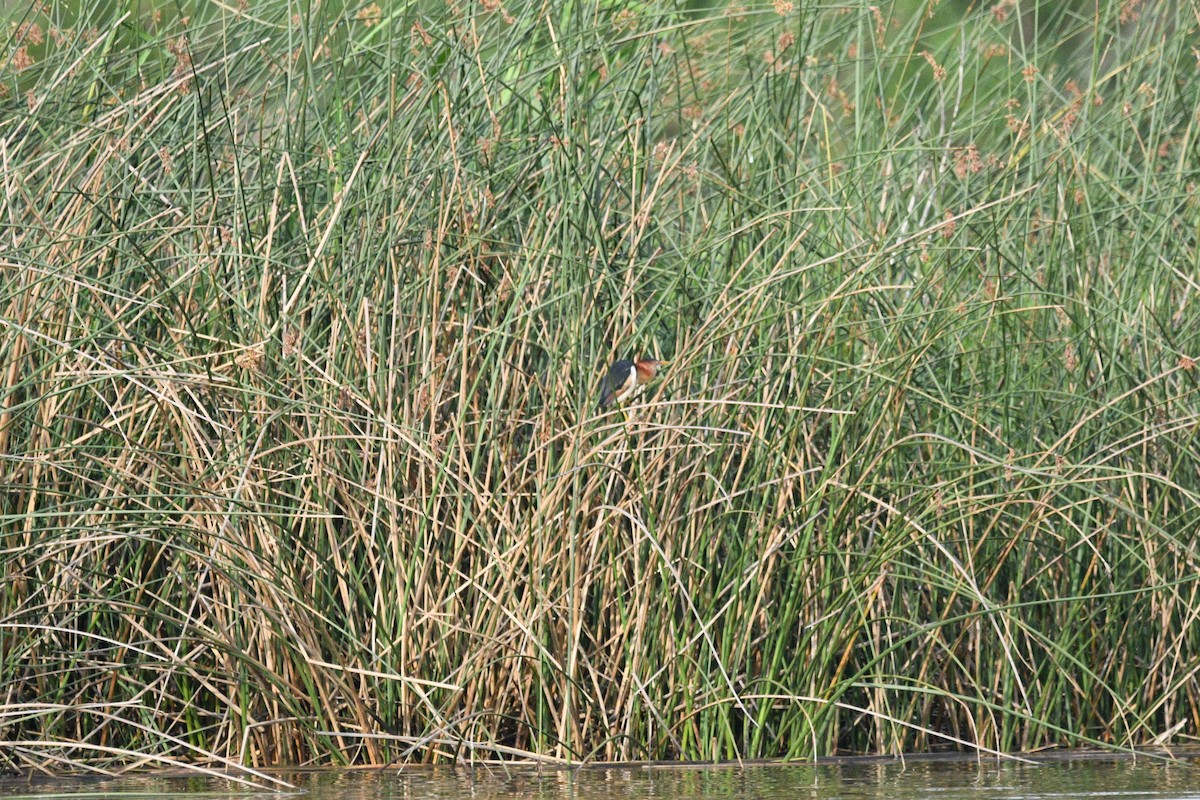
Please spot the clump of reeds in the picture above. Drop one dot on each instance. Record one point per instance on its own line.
(301, 323)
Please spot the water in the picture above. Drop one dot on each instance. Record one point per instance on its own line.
(1142, 779)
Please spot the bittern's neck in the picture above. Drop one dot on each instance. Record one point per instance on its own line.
(646, 369)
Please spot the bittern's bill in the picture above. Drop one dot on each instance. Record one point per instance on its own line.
(626, 378)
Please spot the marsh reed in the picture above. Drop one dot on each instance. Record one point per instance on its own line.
(303, 311)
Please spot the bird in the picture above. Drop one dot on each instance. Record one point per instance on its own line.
(625, 378)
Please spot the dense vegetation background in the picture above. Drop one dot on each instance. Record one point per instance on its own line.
(303, 307)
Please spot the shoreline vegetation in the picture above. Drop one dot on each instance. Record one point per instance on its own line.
(304, 309)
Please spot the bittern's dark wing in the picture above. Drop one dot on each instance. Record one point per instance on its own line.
(619, 381)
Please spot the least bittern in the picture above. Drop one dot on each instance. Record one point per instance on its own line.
(626, 378)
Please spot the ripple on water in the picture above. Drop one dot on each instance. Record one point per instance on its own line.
(1124, 779)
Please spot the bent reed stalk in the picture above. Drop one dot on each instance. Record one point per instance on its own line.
(302, 316)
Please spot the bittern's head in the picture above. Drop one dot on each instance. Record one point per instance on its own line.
(647, 368)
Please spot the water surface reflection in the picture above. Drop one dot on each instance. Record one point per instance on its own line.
(892, 780)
